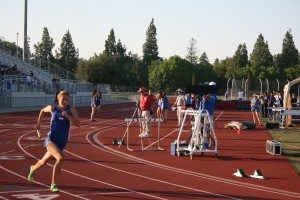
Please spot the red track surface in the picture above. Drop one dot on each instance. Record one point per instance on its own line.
(94, 168)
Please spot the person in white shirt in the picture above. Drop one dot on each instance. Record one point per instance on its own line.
(241, 94)
(180, 103)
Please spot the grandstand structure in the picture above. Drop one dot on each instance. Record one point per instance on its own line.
(16, 93)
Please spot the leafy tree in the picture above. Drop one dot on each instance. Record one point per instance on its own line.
(192, 51)
(150, 48)
(289, 56)
(11, 48)
(171, 73)
(97, 69)
(261, 55)
(43, 50)
(67, 55)
(292, 73)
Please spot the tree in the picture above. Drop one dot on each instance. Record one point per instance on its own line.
(67, 55)
(43, 50)
(192, 51)
(289, 56)
(204, 59)
(171, 73)
(261, 55)
(241, 56)
(150, 48)
(110, 44)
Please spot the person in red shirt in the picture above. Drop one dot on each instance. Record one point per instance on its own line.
(146, 106)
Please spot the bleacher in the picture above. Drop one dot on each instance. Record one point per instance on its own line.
(25, 68)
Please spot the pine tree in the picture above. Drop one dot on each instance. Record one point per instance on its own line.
(289, 56)
(261, 55)
(110, 43)
(150, 48)
(192, 51)
(204, 59)
(67, 55)
(43, 50)
(241, 56)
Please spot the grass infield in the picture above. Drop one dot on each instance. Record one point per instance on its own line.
(290, 143)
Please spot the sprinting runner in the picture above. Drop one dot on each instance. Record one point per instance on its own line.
(58, 136)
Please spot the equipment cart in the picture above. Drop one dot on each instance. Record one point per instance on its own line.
(203, 138)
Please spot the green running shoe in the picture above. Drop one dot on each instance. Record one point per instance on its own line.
(54, 188)
(31, 174)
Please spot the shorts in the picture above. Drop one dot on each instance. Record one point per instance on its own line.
(60, 145)
(254, 109)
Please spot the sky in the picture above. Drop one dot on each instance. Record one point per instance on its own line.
(219, 26)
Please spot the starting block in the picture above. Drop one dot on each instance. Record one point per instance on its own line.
(257, 174)
(241, 173)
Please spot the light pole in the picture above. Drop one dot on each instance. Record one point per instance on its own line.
(17, 45)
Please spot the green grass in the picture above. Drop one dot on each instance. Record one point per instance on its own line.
(290, 143)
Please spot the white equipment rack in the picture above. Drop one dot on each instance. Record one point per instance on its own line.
(203, 139)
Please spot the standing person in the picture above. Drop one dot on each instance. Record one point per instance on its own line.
(146, 106)
(98, 101)
(180, 103)
(255, 108)
(293, 105)
(271, 103)
(241, 94)
(159, 104)
(188, 100)
(58, 136)
(208, 103)
(226, 94)
(164, 107)
(196, 101)
(93, 104)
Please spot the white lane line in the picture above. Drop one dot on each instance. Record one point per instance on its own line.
(196, 174)
(42, 184)
(20, 191)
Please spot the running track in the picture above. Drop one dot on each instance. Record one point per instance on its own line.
(94, 168)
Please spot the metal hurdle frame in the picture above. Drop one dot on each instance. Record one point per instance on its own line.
(129, 120)
(198, 133)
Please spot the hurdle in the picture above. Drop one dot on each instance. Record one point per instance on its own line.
(129, 120)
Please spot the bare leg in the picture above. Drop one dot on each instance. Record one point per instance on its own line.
(58, 155)
(41, 162)
(256, 113)
(93, 113)
(253, 117)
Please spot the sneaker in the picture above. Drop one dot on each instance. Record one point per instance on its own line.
(145, 135)
(140, 135)
(31, 174)
(54, 188)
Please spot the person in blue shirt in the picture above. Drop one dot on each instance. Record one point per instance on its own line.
(255, 108)
(208, 103)
(164, 107)
(62, 115)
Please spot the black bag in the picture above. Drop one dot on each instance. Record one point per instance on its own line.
(248, 125)
(271, 125)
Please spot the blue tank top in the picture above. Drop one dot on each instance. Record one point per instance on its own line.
(60, 127)
(97, 100)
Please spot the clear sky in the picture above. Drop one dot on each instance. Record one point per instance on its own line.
(219, 26)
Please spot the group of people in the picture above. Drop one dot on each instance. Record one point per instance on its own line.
(261, 104)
